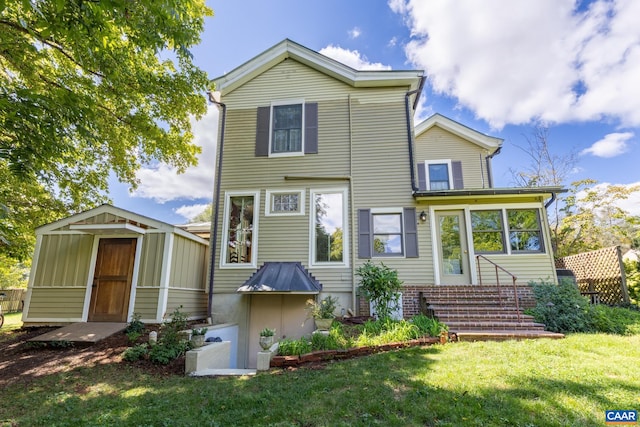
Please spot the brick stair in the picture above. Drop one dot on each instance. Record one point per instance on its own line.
(475, 313)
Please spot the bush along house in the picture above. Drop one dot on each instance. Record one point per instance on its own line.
(321, 168)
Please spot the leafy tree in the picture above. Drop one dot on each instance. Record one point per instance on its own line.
(632, 271)
(592, 218)
(205, 215)
(89, 89)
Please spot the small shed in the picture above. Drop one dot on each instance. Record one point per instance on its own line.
(106, 264)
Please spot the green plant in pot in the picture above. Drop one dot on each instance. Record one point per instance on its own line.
(266, 338)
(323, 311)
(198, 336)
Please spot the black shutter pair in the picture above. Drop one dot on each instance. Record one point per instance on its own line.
(365, 233)
(310, 130)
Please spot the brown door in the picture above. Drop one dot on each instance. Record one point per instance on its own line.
(112, 280)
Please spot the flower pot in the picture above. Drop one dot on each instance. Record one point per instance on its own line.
(266, 342)
(197, 340)
(323, 324)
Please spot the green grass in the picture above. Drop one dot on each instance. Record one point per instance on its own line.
(12, 322)
(568, 382)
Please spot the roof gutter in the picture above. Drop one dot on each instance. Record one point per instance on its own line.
(417, 91)
(216, 199)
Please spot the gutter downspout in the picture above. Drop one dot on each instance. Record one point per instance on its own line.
(489, 169)
(216, 205)
(414, 187)
(553, 199)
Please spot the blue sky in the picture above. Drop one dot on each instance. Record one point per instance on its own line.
(498, 66)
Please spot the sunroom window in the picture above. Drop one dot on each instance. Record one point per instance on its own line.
(492, 228)
(524, 230)
(488, 234)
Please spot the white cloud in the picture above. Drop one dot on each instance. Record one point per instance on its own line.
(162, 182)
(190, 211)
(611, 145)
(512, 62)
(352, 58)
(355, 33)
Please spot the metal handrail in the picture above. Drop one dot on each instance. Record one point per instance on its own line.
(513, 278)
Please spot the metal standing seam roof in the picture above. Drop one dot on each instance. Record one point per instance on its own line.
(281, 277)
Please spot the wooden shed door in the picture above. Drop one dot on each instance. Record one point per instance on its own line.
(112, 280)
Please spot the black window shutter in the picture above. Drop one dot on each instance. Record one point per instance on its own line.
(262, 131)
(410, 233)
(422, 177)
(456, 170)
(311, 128)
(364, 233)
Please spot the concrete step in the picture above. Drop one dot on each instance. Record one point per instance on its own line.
(222, 372)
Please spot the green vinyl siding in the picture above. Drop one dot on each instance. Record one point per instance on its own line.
(151, 260)
(193, 302)
(64, 260)
(439, 144)
(188, 264)
(526, 267)
(146, 302)
(56, 303)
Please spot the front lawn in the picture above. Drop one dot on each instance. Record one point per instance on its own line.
(569, 382)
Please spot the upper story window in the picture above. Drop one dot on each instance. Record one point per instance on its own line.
(439, 175)
(239, 244)
(287, 128)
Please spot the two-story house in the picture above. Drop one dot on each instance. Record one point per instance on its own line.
(321, 168)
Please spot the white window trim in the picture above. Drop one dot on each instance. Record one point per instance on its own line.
(225, 230)
(345, 229)
(505, 230)
(438, 162)
(302, 145)
(268, 202)
(402, 232)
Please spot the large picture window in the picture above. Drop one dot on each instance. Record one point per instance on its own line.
(328, 227)
(492, 228)
(240, 234)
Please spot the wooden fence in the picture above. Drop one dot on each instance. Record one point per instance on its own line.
(599, 271)
(13, 300)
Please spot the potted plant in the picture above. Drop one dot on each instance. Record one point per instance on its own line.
(266, 338)
(197, 336)
(322, 311)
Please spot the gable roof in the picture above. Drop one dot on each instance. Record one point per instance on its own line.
(485, 141)
(281, 277)
(290, 49)
(124, 221)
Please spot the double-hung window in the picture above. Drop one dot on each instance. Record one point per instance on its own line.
(439, 175)
(387, 233)
(287, 129)
(507, 231)
(239, 246)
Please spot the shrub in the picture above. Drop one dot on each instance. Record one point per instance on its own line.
(290, 347)
(135, 328)
(428, 325)
(380, 285)
(137, 352)
(632, 271)
(324, 309)
(561, 307)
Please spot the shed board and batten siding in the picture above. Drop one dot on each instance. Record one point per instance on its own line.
(64, 260)
(186, 264)
(151, 260)
(438, 144)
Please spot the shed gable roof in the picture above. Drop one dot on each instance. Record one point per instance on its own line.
(290, 49)
(485, 141)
